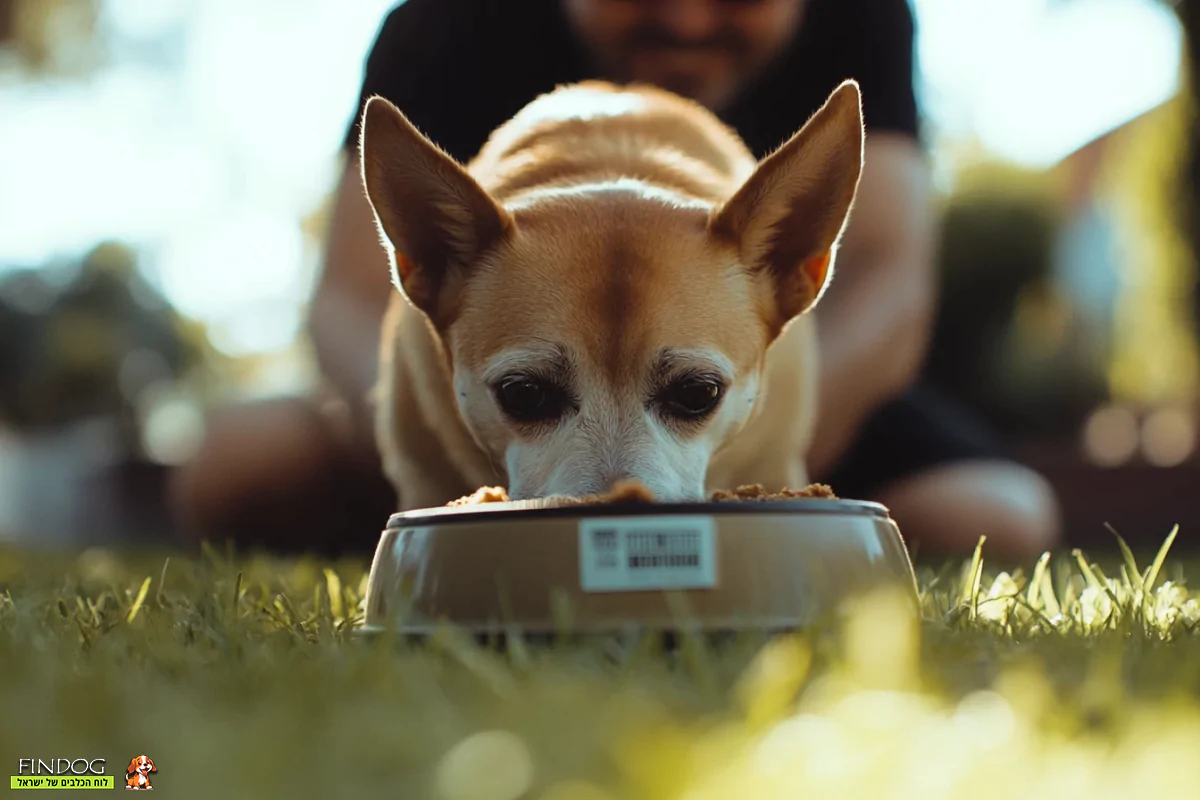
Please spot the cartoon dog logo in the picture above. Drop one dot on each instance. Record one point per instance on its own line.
(137, 774)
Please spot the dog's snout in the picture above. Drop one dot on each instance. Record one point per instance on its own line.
(610, 480)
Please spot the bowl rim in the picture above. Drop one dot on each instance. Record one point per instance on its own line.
(515, 510)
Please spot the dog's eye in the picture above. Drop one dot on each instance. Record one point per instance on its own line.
(691, 398)
(531, 400)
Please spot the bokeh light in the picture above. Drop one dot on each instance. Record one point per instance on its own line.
(1110, 436)
(172, 429)
(1168, 437)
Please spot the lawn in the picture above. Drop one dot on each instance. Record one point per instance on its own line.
(243, 677)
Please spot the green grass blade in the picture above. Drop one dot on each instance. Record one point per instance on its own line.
(1159, 559)
(137, 603)
(1086, 570)
(1049, 601)
(969, 591)
(1135, 574)
(1099, 573)
(1098, 581)
(319, 606)
(333, 586)
(1035, 581)
(162, 581)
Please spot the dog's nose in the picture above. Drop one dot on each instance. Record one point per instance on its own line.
(613, 478)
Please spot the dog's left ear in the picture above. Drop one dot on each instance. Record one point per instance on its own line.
(438, 219)
(788, 216)
(153, 768)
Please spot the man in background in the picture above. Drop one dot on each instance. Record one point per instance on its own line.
(305, 473)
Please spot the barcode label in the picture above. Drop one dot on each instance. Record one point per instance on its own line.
(631, 554)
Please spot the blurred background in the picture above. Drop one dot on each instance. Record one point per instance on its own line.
(157, 252)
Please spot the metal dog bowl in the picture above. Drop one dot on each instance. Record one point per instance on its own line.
(729, 566)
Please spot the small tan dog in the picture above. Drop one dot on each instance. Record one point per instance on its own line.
(612, 289)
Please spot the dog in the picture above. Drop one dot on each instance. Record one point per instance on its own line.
(614, 289)
(137, 774)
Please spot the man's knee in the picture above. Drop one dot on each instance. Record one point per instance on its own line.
(283, 475)
(1027, 513)
(247, 451)
(948, 508)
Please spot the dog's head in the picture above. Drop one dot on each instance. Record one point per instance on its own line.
(140, 764)
(613, 331)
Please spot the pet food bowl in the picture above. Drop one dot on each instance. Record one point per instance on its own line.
(725, 566)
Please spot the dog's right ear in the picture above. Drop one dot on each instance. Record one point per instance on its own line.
(436, 217)
(129, 770)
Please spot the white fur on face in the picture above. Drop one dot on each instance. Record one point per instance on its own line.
(614, 433)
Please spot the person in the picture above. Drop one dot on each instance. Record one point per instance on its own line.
(305, 473)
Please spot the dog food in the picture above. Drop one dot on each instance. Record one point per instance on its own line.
(623, 492)
(636, 492)
(757, 491)
(484, 494)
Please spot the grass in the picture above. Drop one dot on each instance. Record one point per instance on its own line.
(242, 677)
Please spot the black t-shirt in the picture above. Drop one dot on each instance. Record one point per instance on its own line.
(461, 68)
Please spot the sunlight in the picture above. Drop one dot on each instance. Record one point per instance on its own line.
(206, 162)
(1034, 80)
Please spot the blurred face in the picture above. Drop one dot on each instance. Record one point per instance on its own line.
(707, 50)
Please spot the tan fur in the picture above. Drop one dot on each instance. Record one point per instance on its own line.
(612, 224)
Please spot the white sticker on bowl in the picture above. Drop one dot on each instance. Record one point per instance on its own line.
(632, 554)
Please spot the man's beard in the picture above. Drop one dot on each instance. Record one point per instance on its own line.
(707, 71)
(725, 41)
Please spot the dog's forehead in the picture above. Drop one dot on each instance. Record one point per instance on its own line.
(620, 277)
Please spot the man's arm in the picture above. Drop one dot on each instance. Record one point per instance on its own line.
(412, 63)
(346, 314)
(875, 319)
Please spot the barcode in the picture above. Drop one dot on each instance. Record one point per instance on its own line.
(647, 553)
(604, 543)
(649, 550)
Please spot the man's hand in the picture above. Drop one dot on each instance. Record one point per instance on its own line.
(875, 319)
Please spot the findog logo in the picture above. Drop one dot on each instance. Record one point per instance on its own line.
(61, 773)
(137, 774)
